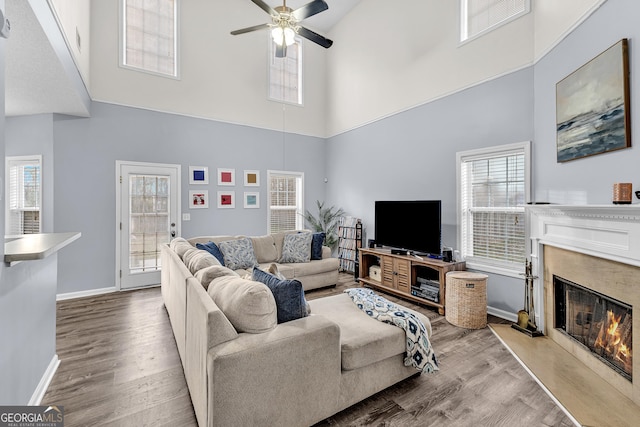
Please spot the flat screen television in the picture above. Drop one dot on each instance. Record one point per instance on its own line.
(412, 225)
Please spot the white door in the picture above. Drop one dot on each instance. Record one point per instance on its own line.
(148, 212)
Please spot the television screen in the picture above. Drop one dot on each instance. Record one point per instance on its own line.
(413, 225)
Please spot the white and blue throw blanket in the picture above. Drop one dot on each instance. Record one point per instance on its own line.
(419, 352)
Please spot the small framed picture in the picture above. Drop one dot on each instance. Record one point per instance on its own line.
(251, 178)
(226, 176)
(198, 199)
(198, 175)
(251, 200)
(226, 199)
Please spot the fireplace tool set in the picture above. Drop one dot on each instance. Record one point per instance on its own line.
(527, 317)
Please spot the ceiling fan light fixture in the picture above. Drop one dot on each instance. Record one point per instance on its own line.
(283, 33)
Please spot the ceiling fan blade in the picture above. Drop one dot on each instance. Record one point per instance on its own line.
(310, 9)
(315, 37)
(249, 29)
(262, 5)
(281, 50)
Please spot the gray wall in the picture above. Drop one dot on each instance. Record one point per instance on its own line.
(412, 155)
(86, 150)
(27, 303)
(588, 180)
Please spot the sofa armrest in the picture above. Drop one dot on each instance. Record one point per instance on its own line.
(326, 252)
(288, 376)
(206, 327)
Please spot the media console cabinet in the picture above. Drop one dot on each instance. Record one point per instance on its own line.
(408, 276)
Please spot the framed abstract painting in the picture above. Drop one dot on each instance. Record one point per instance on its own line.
(592, 106)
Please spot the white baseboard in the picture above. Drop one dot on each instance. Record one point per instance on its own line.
(81, 294)
(41, 389)
(507, 315)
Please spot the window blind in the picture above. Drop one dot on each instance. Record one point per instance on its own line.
(492, 199)
(24, 195)
(481, 15)
(150, 35)
(285, 202)
(285, 74)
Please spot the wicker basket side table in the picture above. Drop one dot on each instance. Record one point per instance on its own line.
(466, 299)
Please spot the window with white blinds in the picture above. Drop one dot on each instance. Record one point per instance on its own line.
(285, 74)
(479, 16)
(149, 36)
(493, 189)
(24, 195)
(285, 200)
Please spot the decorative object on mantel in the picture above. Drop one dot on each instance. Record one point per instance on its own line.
(527, 317)
(592, 106)
(622, 193)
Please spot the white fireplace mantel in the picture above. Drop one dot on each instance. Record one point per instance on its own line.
(606, 231)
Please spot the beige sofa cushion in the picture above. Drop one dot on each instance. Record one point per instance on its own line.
(206, 275)
(200, 259)
(180, 245)
(264, 247)
(249, 305)
(314, 267)
(363, 340)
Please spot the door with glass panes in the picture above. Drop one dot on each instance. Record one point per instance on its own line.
(148, 218)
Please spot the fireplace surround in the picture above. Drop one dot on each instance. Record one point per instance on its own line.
(596, 248)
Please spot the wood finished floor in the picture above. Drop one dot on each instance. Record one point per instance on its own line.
(120, 367)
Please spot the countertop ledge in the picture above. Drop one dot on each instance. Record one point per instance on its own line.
(30, 247)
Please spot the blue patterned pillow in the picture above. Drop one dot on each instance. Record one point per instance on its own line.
(289, 295)
(296, 248)
(213, 249)
(238, 254)
(317, 239)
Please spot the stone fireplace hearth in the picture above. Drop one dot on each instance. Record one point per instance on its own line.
(597, 248)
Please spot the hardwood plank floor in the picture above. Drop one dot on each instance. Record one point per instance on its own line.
(120, 367)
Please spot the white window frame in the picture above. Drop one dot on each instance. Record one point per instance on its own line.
(34, 159)
(176, 44)
(479, 263)
(271, 68)
(299, 197)
(464, 20)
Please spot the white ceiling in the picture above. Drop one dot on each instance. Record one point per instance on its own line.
(37, 83)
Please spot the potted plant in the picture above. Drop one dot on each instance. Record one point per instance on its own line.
(326, 221)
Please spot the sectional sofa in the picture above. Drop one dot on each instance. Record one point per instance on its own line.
(242, 367)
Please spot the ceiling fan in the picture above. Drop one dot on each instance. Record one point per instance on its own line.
(285, 24)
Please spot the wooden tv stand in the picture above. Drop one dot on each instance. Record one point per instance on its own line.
(399, 274)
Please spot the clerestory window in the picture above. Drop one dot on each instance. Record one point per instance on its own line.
(480, 16)
(285, 74)
(149, 36)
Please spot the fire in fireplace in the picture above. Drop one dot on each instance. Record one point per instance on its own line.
(602, 324)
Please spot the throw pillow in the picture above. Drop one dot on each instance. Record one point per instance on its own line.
(317, 240)
(296, 248)
(248, 305)
(289, 295)
(238, 254)
(206, 275)
(213, 249)
(199, 260)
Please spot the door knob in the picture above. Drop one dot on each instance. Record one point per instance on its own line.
(173, 234)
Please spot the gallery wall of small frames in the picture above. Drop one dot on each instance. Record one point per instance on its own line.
(225, 195)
